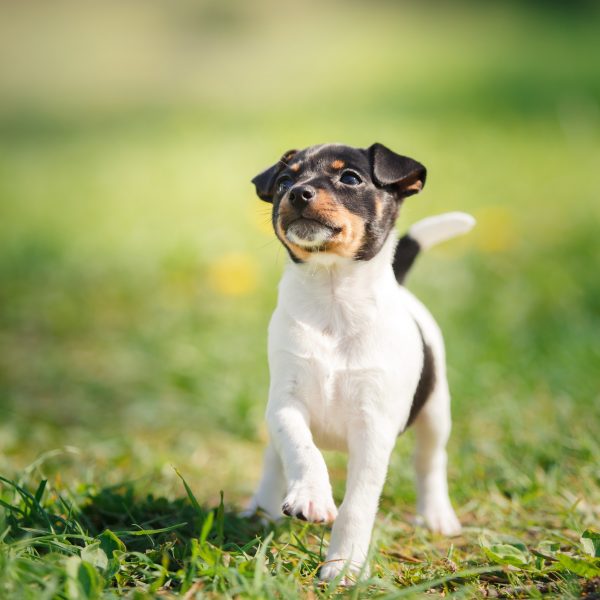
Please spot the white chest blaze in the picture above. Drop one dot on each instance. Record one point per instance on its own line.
(343, 344)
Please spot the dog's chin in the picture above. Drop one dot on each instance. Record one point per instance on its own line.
(308, 233)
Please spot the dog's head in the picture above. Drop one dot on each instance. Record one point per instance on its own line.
(337, 199)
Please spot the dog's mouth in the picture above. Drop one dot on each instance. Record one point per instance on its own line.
(310, 233)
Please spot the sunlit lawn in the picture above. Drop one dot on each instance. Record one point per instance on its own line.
(138, 272)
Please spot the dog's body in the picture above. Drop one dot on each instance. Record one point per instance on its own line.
(354, 357)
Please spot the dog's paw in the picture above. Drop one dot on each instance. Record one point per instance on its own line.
(440, 519)
(310, 501)
(350, 572)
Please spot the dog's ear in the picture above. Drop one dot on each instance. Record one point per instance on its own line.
(403, 175)
(265, 181)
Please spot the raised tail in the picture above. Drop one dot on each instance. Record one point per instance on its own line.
(427, 233)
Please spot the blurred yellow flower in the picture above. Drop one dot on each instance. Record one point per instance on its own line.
(234, 274)
(496, 229)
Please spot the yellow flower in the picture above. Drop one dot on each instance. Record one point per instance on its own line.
(496, 229)
(234, 274)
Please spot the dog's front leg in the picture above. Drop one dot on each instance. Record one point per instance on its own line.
(308, 488)
(369, 448)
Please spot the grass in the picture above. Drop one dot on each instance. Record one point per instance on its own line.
(138, 272)
(90, 543)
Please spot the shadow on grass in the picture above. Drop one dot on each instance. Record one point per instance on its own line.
(177, 521)
(142, 523)
(118, 538)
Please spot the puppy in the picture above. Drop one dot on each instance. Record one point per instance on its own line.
(354, 357)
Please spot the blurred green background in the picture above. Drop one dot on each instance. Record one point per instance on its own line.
(138, 270)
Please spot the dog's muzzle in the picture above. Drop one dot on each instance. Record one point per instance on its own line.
(309, 233)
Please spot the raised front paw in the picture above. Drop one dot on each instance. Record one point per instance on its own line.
(310, 501)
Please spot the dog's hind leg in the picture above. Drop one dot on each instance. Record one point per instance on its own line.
(432, 429)
(271, 489)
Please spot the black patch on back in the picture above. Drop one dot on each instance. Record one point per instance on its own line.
(406, 252)
(426, 382)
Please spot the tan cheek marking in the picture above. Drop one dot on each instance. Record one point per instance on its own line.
(297, 251)
(351, 238)
(324, 203)
(295, 167)
(337, 164)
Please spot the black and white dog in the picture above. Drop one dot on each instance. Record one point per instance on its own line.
(354, 357)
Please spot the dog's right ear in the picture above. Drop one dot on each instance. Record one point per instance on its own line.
(265, 181)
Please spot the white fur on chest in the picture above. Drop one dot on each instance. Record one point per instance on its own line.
(342, 344)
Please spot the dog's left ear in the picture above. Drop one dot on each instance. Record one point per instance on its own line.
(403, 175)
(265, 181)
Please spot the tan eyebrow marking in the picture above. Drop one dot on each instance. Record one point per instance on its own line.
(295, 167)
(337, 164)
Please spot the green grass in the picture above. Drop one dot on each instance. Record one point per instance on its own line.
(138, 273)
(90, 543)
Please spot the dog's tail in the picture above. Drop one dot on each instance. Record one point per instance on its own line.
(425, 234)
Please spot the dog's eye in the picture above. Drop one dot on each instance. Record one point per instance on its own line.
(350, 178)
(284, 184)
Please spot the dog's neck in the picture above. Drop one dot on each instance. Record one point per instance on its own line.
(335, 289)
(337, 270)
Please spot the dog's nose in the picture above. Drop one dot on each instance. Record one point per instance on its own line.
(301, 195)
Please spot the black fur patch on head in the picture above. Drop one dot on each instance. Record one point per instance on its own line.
(357, 194)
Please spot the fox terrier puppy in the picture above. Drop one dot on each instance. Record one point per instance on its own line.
(355, 359)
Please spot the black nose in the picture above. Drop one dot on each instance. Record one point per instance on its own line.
(301, 195)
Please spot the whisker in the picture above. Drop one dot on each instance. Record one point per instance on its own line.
(267, 243)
